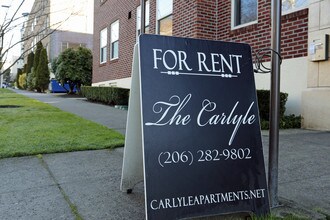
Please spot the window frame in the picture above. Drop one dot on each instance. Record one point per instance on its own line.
(62, 46)
(234, 11)
(112, 41)
(164, 16)
(147, 18)
(103, 47)
(66, 45)
(34, 24)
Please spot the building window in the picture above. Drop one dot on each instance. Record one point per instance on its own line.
(34, 43)
(47, 50)
(34, 23)
(103, 45)
(66, 45)
(114, 40)
(138, 18)
(32, 47)
(164, 17)
(46, 23)
(289, 6)
(244, 12)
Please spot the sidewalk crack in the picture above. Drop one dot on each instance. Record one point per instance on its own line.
(72, 206)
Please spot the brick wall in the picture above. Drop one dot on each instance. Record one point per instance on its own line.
(211, 19)
(105, 14)
(207, 18)
(204, 19)
(184, 14)
(195, 19)
(294, 30)
(152, 18)
(295, 34)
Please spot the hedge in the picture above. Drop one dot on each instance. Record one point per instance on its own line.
(286, 121)
(107, 95)
(264, 100)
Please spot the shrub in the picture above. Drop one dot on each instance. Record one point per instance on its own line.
(19, 72)
(30, 81)
(42, 73)
(107, 95)
(264, 101)
(290, 121)
(28, 66)
(286, 121)
(22, 81)
(36, 58)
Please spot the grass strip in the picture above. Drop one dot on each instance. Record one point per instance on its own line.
(30, 127)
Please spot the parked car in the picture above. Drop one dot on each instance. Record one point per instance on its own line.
(4, 85)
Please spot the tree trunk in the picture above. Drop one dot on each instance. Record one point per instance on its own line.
(78, 88)
(71, 85)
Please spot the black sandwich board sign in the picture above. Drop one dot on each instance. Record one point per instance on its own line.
(193, 117)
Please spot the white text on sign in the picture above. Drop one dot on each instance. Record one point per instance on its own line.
(177, 60)
(206, 115)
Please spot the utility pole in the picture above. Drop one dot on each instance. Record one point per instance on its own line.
(274, 103)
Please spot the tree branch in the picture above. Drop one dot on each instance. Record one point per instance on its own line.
(14, 22)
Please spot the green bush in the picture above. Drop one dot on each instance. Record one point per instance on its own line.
(42, 73)
(19, 73)
(107, 95)
(22, 81)
(290, 121)
(264, 101)
(286, 121)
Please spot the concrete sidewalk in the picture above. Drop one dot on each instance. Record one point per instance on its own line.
(86, 184)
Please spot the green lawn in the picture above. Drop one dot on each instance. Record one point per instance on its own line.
(29, 127)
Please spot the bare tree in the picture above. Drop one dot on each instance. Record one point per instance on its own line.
(15, 20)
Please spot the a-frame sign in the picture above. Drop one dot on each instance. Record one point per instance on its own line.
(193, 132)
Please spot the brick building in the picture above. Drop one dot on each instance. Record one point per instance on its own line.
(116, 27)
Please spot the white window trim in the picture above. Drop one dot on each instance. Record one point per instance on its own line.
(114, 58)
(158, 22)
(243, 25)
(34, 24)
(106, 45)
(233, 27)
(147, 18)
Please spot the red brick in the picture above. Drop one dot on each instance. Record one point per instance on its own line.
(206, 19)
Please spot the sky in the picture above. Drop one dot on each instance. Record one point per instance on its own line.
(13, 5)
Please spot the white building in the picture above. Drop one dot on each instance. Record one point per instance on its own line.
(59, 24)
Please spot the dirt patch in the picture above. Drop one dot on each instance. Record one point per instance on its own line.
(10, 106)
